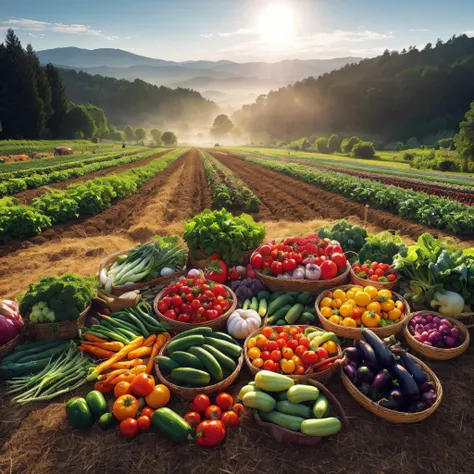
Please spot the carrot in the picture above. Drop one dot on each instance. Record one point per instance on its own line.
(97, 351)
(160, 342)
(126, 364)
(114, 373)
(92, 338)
(138, 369)
(115, 358)
(168, 336)
(128, 377)
(140, 352)
(113, 346)
(150, 340)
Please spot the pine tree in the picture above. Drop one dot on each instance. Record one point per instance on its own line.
(59, 102)
(44, 89)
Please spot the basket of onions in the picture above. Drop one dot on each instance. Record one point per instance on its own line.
(11, 326)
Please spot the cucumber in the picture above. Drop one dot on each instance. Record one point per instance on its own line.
(289, 422)
(302, 393)
(321, 406)
(34, 348)
(191, 376)
(46, 353)
(308, 318)
(279, 314)
(209, 362)
(280, 322)
(259, 400)
(223, 336)
(185, 343)
(107, 420)
(226, 347)
(262, 308)
(279, 396)
(185, 359)
(263, 295)
(304, 298)
(295, 312)
(279, 302)
(323, 427)
(166, 364)
(272, 382)
(294, 409)
(275, 295)
(224, 361)
(254, 304)
(204, 331)
(246, 304)
(293, 294)
(170, 424)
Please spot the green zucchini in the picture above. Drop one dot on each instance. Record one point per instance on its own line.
(172, 425)
(8, 371)
(295, 312)
(279, 396)
(321, 406)
(302, 393)
(209, 361)
(244, 390)
(223, 336)
(293, 294)
(185, 359)
(280, 322)
(280, 302)
(246, 304)
(166, 364)
(279, 314)
(228, 348)
(304, 298)
(254, 304)
(203, 331)
(322, 427)
(263, 295)
(275, 295)
(294, 409)
(262, 308)
(191, 376)
(308, 318)
(224, 361)
(34, 348)
(273, 382)
(46, 353)
(185, 343)
(259, 400)
(289, 422)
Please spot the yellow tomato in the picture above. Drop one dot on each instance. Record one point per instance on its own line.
(351, 301)
(371, 291)
(339, 294)
(297, 360)
(349, 294)
(331, 347)
(253, 353)
(326, 311)
(286, 328)
(287, 366)
(394, 314)
(252, 342)
(362, 298)
(400, 306)
(387, 305)
(337, 303)
(385, 294)
(258, 362)
(358, 322)
(384, 315)
(370, 319)
(262, 341)
(374, 306)
(346, 310)
(349, 323)
(326, 302)
(159, 397)
(355, 290)
(335, 319)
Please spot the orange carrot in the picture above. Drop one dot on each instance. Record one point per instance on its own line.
(149, 341)
(140, 352)
(128, 377)
(92, 338)
(126, 364)
(114, 373)
(115, 358)
(113, 346)
(138, 369)
(97, 351)
(168, 336)
(160, 342)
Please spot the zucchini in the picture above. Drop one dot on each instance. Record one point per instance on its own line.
(185, 343)
(185, 359)
(263, 295)
(321, 406)
(244, 390)
(322, 427)
(166, 364)
(191, 376)
(226, 347)
(224, 361)
(304, 298)
(295, 312)
(204, 331)
(308, 318)
(246, 304)
(223, 336)
(170, 424)
(280, 322)
(289, 422)
(279, 314)
(275, 295)
(209, 361)
(293, 294)
(254, 304)
(41, 355)
(294, 409)
(262, 308)
(273, 382)
(8, 371)
(302, 393)
(279, 302)
(259, 400)
(279, 396)
(34, 348)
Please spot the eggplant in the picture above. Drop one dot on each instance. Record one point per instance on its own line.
(364, 374)
(397, 395)
(418, 375)
(366, 389)
(429, 397)
(368, 355)
(417, 406)
(426, 387)
(407, 383)
(351, 372)
(382, 352)
(389, 403)
(353, 354)
(390, 341)
(381, 380)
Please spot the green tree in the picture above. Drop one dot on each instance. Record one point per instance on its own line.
(464, 140)
(59, 102)
(399, 146)
(44, 89)
(129, 133)
(100, 119)
(169, 138)
(222, 126)
(364, 150)
(413, 142)
(78, 121)
(334, 143)
(114, 134)
(156, 135)
(348, 144)
(321, 145)
(140, 134)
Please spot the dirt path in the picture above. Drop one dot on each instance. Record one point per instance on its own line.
(27, 196)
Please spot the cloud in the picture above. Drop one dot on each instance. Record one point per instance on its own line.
(469, 33)
(210, 35)
(239, 32)
(419, 29)
(64, 28)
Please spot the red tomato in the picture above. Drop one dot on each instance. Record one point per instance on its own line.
(319, 260)
(292, 343)
(279, 329)
(256, 261)
(374, 265)
(218, 308)
(193, 418)
(322, 353)
(332, 248)
(277, 268)
(213, 412)
(289, 265)
(267, 331)
(230, 418)
(184, 318)
(201, 402)
(163, 306)
(274, 254)
(142, 385)
(293, 332)
(275, 356)
(374, 277)
(218, 290)
(284, 335)
(265, 249)
(271, 346)
(328, 270)
(176, 300)
(364, 268)
(144, 422)
(309, 358)
(195, 304)
(379, 272)
(268, 364)
(190, 297)
(212, 314)
(128, 427)
(210, 433)
(265, 355)
(281, 342)
(340, 260)
(238, 408)
(171, 314)
(391, 277)
(148, 411)
(299, 350)
(185, 308)
(304, 341)
(224, 401)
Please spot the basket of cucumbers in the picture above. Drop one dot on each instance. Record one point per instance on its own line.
(199, 360)
(301, 411)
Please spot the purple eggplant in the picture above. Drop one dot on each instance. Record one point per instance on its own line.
(390, 341)
(381, 380)
(397, 395)
(417, 406)
(426, 387)
(389, 403)
(366, 389)
(407, 383)
(418, 375)
(364, 374)
(353, 354)
(351, 372)
(384, 356)
(368, 355)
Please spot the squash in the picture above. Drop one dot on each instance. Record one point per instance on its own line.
(273, 382)
(243, 322)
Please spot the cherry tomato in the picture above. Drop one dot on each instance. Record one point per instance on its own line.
(331, 249)
(275, 356)
(230, 418)
(271, 346)
(224, 401)
(269, 365)
(201, 402)
(128, 427)
(309, 358)
(142, 385)
(195, 304)
(256, 261)
(176, 301)
(267, 331)
(281, 342)
(185, 308)
(379, 272)
(218, 290)
(213, 412)
(218, 308)
(144, 422)
(300, 349)
(284, 335)
(391, 277)
(287, 353)
(238, 408)
(277, 268)
(163, 307)
(322, 353)
(184, 318)
(212, 314)
(265, 355)
(193, 418)
(122, 388)
(289, 265)
(292, 344)
(148, 411)
(171, 314)
(265, 249)
(304, 341)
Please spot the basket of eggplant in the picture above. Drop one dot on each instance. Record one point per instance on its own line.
(388, 381)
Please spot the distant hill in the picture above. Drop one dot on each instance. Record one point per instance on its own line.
(235, 84)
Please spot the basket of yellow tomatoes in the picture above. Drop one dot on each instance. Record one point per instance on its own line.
(347, 309)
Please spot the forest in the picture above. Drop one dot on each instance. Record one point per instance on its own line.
(398, 95)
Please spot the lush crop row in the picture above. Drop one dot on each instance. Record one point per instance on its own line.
(16, 185)
(429, 210)
(227, 189)
(18, 147)
(77, 200)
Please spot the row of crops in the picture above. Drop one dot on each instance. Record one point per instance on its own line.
(90, 198)
(17, 147)
(227, 189)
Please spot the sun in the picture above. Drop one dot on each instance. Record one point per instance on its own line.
(276, 24)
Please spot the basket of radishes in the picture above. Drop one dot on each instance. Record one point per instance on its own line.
(11, 327)
(300, 264)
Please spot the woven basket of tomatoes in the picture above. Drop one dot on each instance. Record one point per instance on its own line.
(193, 302)
(346, 310)
(300, 264)
(293, 351)
(380, 275)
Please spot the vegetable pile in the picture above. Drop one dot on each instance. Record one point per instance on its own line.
(246, 289)
(290, 350)
(297, 407)
(362, 307)
(351, 237)
(291, 307)
(375, 271)
(382, 247)
(297, 258)
(387, 375)
(11, 322)
(434, 331)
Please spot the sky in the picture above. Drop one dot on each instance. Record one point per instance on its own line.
(237, 30)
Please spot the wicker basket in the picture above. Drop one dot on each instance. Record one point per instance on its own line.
(390, 285)
(118, 290)
(188, 393)
(179, 326)
(322, 377)
(282, 435)
(9, 346)
(356, 333)
(435, 352)
(394, 416)
(58, 330)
